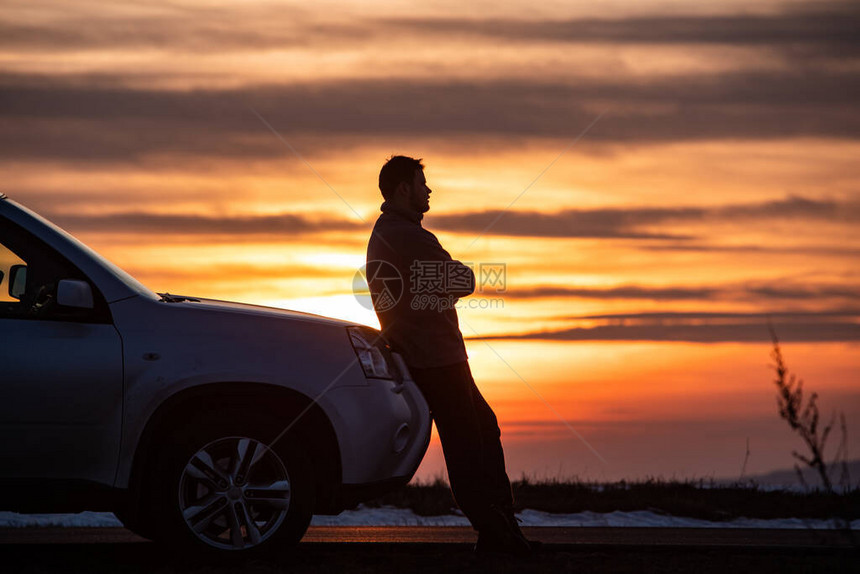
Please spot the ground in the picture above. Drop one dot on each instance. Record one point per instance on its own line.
(112, 551)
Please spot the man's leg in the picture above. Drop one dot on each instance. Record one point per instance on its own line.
(497, 483)
(470, 438)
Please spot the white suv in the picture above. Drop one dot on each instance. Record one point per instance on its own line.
(212, 424)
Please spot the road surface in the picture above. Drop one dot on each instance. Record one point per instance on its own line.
(392, 549)
(571, 536)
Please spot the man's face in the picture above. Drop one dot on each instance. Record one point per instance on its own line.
(419, 196)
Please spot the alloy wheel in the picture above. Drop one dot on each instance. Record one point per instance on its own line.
(234, 493)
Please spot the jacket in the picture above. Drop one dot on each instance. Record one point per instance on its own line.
(416, 310)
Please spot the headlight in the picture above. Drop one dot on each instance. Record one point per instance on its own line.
(373, 352)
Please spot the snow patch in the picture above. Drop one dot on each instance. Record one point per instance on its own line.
(80, 520)
(387, 516)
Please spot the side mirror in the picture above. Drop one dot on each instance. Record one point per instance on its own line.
(75, 293)
(17, 281)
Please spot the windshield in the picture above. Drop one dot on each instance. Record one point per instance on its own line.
(130, 281)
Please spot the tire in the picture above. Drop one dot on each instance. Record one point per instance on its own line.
(219, 488)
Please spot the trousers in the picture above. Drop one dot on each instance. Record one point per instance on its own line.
(471, 440)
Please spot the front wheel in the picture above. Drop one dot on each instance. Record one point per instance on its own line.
(225, 488)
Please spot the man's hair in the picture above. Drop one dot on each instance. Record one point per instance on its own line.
(398, 169)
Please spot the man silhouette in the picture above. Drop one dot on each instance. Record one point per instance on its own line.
(421, 324)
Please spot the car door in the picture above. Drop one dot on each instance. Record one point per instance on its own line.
(60, 370)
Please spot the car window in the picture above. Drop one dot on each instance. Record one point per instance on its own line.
(30, 273)
(8, 259)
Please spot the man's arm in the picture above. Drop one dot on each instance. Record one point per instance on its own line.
(463, 287)
(460, 279)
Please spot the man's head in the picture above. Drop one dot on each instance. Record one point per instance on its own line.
(402, 183)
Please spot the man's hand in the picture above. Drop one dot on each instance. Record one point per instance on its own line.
(460, 279)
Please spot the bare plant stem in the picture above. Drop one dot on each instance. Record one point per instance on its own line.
(803, 419)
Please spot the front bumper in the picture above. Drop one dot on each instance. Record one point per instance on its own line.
(383, 431)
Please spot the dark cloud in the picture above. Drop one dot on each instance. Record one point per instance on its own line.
(724, 332)
(780, 291)
(674, 316)
(823, 28)
(181, 224)
(805, 292)
(792, 206)
(707, 327)
(159, 33)
(625, 292)
(828, 250)
(602, 223)
(182, 27)
(630, 223)
(831, 27)
(633, 223)
(72, 118)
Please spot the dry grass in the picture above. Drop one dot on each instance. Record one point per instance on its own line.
(696, 499)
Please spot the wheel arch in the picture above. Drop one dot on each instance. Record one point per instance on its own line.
(313, 430)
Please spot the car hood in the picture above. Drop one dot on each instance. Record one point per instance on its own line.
(214, 305)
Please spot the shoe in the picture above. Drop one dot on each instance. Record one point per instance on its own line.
(501, 534)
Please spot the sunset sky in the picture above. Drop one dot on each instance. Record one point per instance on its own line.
(660, 179)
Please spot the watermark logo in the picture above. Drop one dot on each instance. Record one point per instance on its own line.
(431, 302)
(378, 285)
(432, 285)
(441, 276)
(492, 277)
